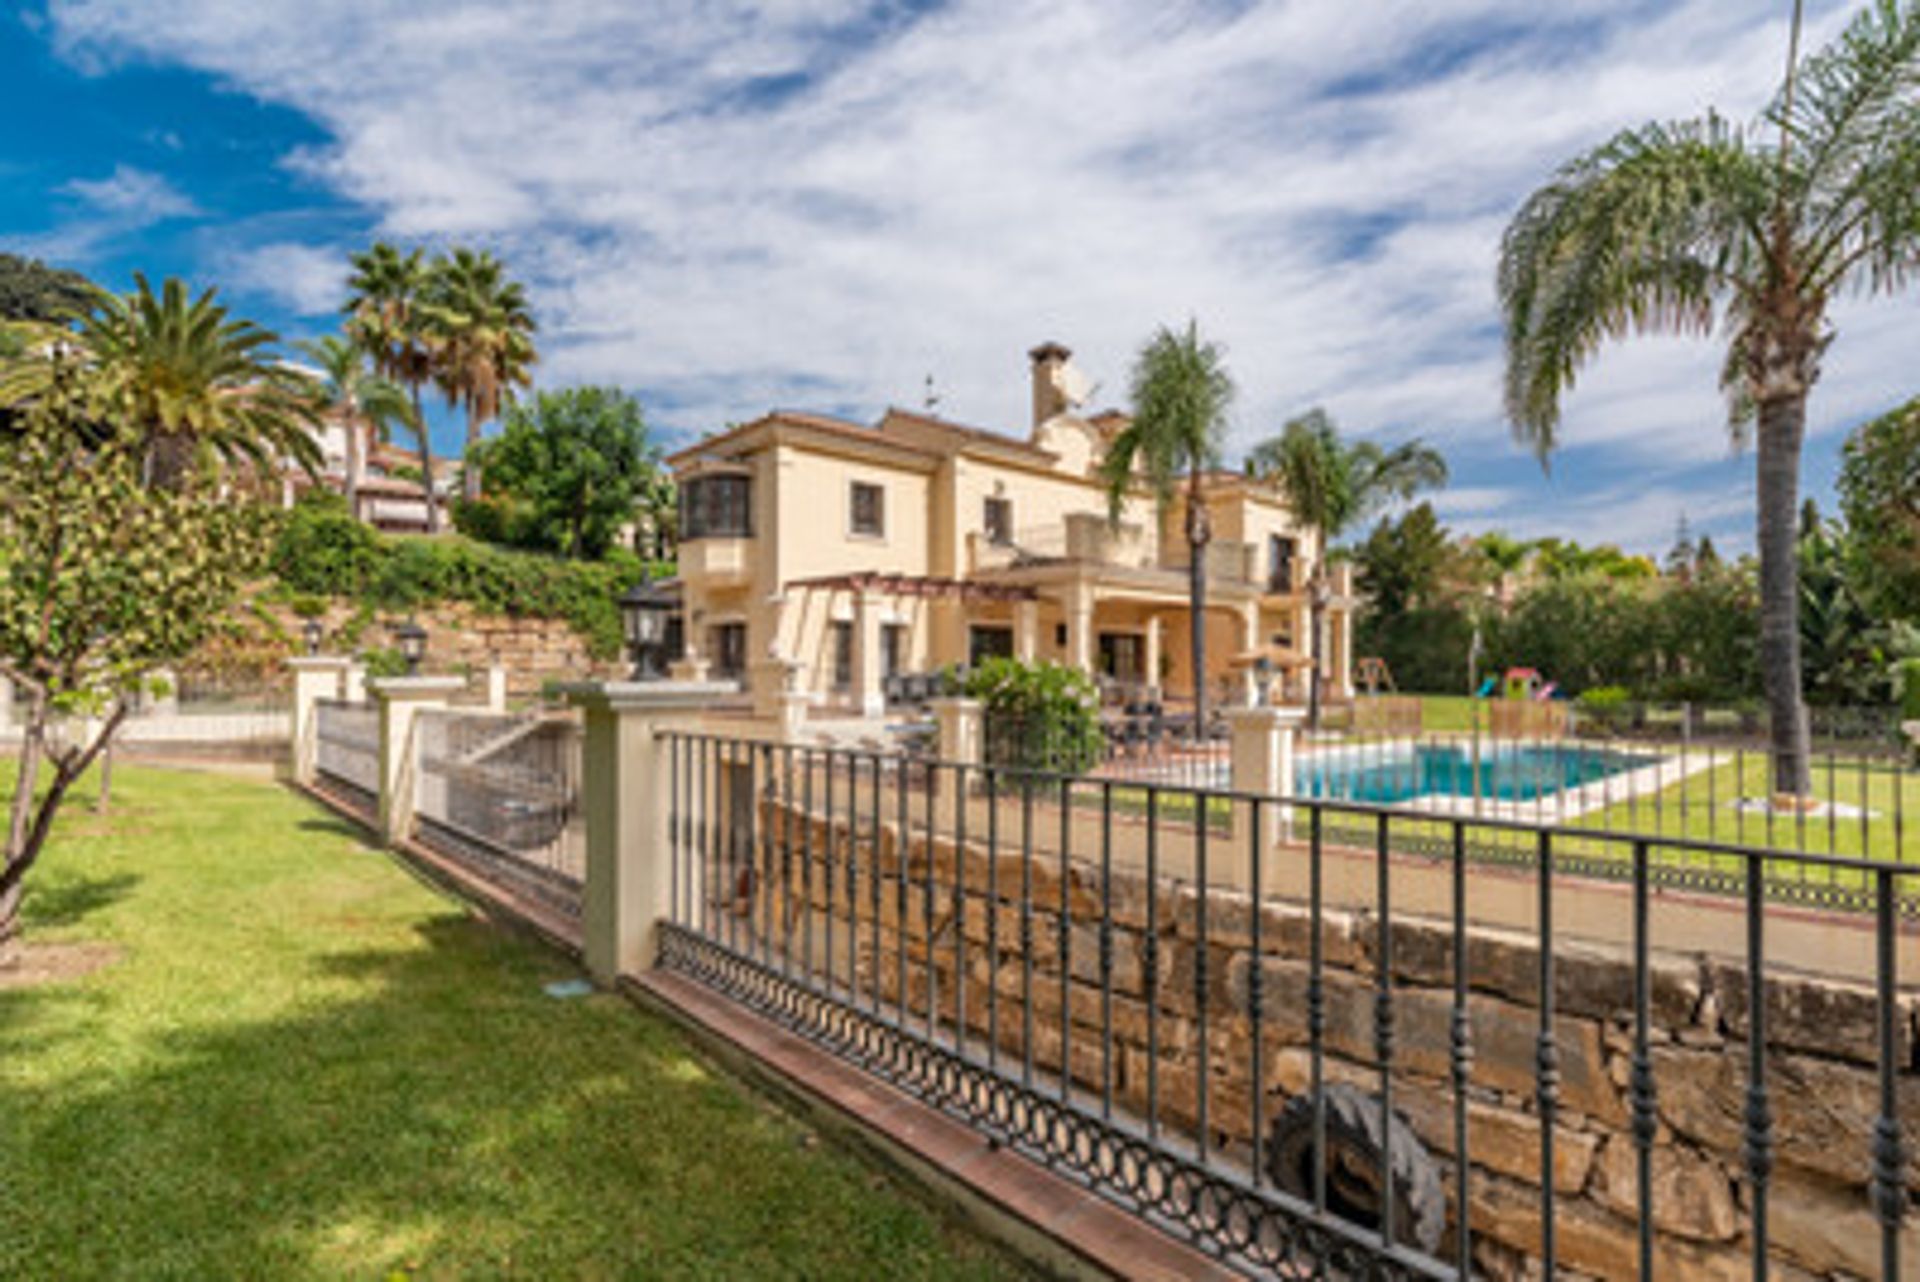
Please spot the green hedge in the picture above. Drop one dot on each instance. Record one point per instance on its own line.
(1039, 716)
(321, 549)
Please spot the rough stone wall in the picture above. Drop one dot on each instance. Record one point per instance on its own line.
(460, 638)
(1821, 1042)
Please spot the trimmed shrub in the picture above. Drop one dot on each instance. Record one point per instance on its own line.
(1039, 716)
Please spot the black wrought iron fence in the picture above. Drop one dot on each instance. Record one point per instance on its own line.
(1317, 1058)
(502, 794)
(347, 753)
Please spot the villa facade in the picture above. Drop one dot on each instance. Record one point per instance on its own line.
(826, 556)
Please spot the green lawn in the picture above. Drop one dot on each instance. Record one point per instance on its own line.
(305, 1064)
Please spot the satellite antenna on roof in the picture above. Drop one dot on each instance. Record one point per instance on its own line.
(931, 400)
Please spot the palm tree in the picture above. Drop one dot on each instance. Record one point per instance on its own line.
(1331, 485)
(1687, 225)
(186, 377)
(386, 318)
(1180, 392)
(360, 399)
(481, 334)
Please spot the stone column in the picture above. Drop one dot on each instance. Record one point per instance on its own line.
(1152, 658)
(1026, 630)
(6, 703)
(1340, 652)
(771, 680)
(315, 677)
(400, 700)
(1078, 605)
(868, 696)
(496, 687)
(1262, 742)
(354, 687)
(625, 797)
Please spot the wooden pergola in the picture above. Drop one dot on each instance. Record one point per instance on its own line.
(918, 585)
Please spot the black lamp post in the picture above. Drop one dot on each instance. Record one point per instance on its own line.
(643, 619)
(1263, 681)
(412, 640)
(312, 633)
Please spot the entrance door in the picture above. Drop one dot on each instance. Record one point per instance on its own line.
(989, 643)
(1122, 656)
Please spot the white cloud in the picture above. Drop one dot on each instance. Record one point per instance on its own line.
(136, 195)
(735, 204)
(307, 279)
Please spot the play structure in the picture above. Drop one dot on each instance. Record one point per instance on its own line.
(1372, 675)
(1519, 684)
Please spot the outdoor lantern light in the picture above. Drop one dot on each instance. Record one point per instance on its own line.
(412, 640)
(312, 632)
(1263, 679)
(643, 618)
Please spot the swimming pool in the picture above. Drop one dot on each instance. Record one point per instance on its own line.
(1506, 772)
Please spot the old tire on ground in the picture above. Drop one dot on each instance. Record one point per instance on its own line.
(1354, 1145)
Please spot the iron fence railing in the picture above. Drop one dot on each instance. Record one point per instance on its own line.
(502, 794)
(347, 753)
(1303, 1052)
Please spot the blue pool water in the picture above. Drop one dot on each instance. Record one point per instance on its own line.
(1509, 772)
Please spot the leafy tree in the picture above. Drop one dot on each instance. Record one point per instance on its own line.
(1880, 497)
(185, 379)
(103, 578)
(386, 317)
(1405, 563)
(32, 291)
(1329, 485)
(570, 468)
(1180, 391)
(1039, 716)
(480, 333)
(361, 399)
(1685, 226)
(1850, 653)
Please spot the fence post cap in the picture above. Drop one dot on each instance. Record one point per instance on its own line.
(645, 696)
(318, 662)
(1269, 715)
(398, 688)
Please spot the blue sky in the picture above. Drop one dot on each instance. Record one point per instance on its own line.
(727, 206)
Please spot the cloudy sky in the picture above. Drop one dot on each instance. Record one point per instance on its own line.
(728, 206)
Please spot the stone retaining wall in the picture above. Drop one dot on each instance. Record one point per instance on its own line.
(534, 651)
(1821, 1038)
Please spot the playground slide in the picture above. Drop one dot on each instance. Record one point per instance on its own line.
(1546, 692)
(1487, 687)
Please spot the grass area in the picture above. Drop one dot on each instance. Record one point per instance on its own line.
(1447, 713)
(305, 1064)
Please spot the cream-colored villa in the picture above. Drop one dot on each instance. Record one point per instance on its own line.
(827, 556)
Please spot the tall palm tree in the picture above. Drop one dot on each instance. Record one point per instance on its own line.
(1330, 485)
(184, 375)
(386, 317)
(362, 400)
(1180, 391)
(1689, 225)
(481, 333)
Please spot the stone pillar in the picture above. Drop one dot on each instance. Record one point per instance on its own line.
(960, 740)
(6, 703)
(625, 797)
(1026, 630)
(400, 700)
(771, 680)
(1078, 605)
(315, 677)
(496, 687)
(1155, 627)
(868, 696)
(1262, 744)
(354, 687)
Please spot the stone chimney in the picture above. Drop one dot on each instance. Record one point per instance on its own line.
(1049, 394)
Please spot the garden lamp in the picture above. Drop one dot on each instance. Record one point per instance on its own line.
(312, 633)
(412, 640)
(1263, 680)
(643, 620)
